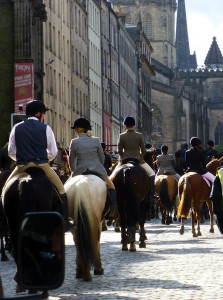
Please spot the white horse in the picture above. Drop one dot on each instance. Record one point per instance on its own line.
(86, 201)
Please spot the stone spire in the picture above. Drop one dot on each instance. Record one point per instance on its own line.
(184, 59)
(214, 57)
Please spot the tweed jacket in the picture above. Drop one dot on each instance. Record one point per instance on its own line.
(166, 164)
(131, 145)
(86, 154)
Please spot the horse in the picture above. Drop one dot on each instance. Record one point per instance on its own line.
(87, 196)
(193, 191)
(30, 191)
(4, 231)
(167, 190)
(132, 185)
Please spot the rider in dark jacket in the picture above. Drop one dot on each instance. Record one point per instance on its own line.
(196, 160)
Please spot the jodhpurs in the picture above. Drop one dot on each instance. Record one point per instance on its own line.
(50, 173)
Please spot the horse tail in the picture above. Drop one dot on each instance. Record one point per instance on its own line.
(186, 199)
(87, 228)
(164, 195)
(133, 206)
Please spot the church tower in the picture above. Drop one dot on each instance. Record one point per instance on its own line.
(158, 21)
(184, 59)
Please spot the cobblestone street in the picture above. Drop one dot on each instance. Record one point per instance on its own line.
(171, 267)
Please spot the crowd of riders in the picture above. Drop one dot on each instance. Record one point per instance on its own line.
(32, 143)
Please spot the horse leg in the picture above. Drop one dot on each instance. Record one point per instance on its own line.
(210, 208)
(3, 255)
(192, 225)
(98, 270)
(132, 232)
(82, 269)
(104, 227)
(182, 226)
(124, 239)
(142, 236)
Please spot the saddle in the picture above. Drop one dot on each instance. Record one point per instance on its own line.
(89, 172)
(209, 183)
(134, 161)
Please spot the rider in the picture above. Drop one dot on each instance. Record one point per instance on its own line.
(32, 143)
(196, 160)
(131, 146)
(210, 151)
(166, 163)
(86, 155)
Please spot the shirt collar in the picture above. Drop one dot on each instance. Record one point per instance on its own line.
(33, 118)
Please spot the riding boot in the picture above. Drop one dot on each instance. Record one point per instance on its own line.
(68, 222)
(152, 193)
(113, 196)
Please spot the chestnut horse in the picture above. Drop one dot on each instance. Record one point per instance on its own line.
(132, 185)
(87, 196)
(193, 191)
(167, 190)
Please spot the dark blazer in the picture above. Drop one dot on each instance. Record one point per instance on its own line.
(196, 161)
(131, 145)
(210, 153)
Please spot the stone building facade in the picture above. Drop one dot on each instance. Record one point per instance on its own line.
(94, 39)
(106, 67)
(181, 107)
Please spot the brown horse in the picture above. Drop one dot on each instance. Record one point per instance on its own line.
(193, 191)
(132, 184)
(167, 190)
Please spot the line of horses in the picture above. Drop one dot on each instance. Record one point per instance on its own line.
(87, 197)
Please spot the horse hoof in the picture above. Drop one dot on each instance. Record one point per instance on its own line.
(195, 235)
(19, 288)
(117, 229)
(132, 248)
(211, 230)
(79, 274)
(125, 247)
(199, 234)
(87, 278)
(104, 228)
(99, 272)
(142, 245)
(181, 232)
(109, 222)
(4, 258)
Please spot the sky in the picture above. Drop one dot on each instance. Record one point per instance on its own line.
(204, 21)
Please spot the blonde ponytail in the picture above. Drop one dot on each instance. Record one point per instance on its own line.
(89, 133)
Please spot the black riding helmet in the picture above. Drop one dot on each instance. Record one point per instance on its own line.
(82, 123)
(129, 121)
(195, 141)
(35, 106)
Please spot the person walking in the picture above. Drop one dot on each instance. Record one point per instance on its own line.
(32, 144)
(107, 162)
(210, 151)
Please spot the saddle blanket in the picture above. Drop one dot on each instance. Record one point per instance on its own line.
(207, 181)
